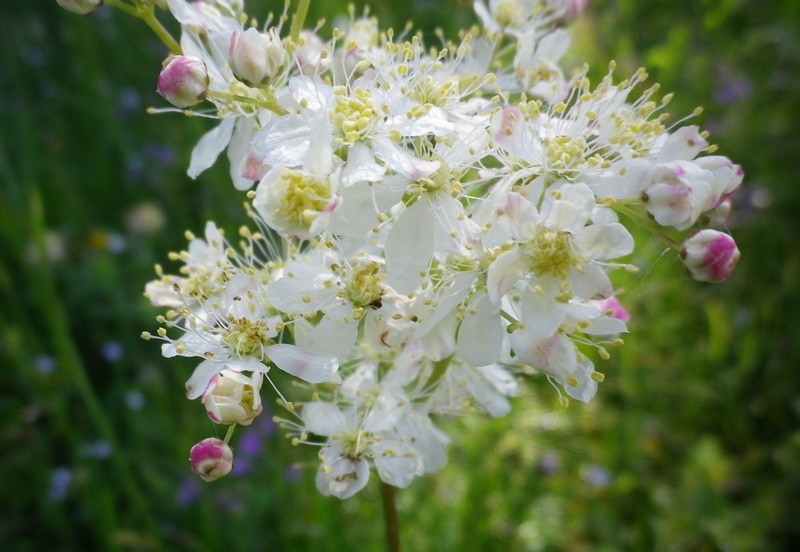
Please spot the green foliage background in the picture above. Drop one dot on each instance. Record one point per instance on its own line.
(693, 443)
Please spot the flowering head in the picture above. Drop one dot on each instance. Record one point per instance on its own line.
(211, 459)
(432, 223)
(183, 81)
(710, 255)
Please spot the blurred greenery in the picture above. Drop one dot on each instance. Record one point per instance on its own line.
(693, 443)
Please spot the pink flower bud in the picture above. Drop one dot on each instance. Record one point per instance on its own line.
(727, 177)
(82, 7)
(256, 58)
(718, 215)
(680, 192)
(183, 81)
(233, 398)
(614, 308)
(710, 255)
(211, 459)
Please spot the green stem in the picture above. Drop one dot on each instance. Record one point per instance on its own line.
(390, 518)
(149, 17)
(146, 12)
(298, 19)
(229, 434)
(271, 103)
(121, 6)
(646, 223)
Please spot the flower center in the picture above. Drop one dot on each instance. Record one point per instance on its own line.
(354, 442)
(564, 152)
(246, 337)
(353, 116)
(305, 197)
(551, 252)
(362, 285)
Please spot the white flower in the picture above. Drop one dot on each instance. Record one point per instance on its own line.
(295, 203)
(358, 434)
(557, 252)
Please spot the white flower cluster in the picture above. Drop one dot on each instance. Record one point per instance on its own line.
(432, 223)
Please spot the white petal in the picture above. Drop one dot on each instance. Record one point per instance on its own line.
(285, 142)
(237, 150)
(301, 289)
(409, 247)
(387, 410)
(590, 283)
(340, 476)
(587, 387)
(200, 378)
(428, 441)
(541, 313)
(361, 166)
(322, 418)
(604, 241)
(358, 211)
(504, 272)
(402, 161)
(480, 336)
(554, 355)
(306, 366)
(331, 336)
(396, 463)
(517, 216)
(209, 147)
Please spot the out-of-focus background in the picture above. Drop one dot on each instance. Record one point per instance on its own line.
(692, 444)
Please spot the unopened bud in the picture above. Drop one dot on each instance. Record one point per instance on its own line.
(256, 58)
(183, 81)
(211, 459)
(233, 398)
(614, 308)
(718, 215)
(727, 176)
(710, 255)
(82, 7)
(679, 194)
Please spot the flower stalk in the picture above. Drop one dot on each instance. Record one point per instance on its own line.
(391, 520)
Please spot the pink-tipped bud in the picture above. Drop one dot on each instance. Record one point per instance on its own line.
(183, 81)
(727, 176)
(82, 7)
(614, 308)
(719, 215)
(233, 398)
(211, 459)
(710, 255)
(256, 58)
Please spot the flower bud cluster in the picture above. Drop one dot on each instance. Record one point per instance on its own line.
(430, 226)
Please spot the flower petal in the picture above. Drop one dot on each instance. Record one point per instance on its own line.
(299, 363)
